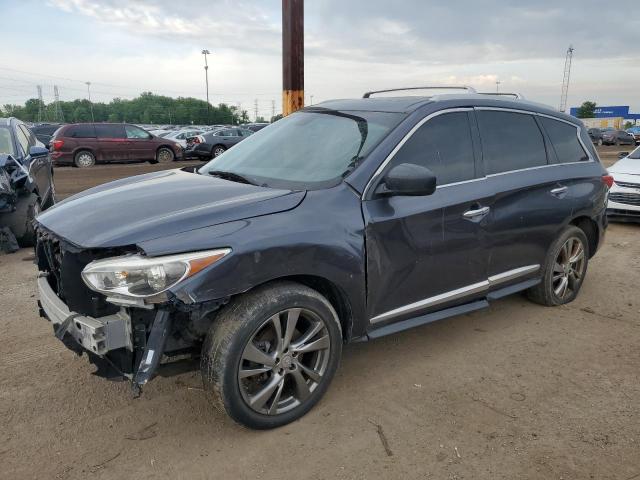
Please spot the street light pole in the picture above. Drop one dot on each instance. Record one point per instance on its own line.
(206, 52)
(90, 104)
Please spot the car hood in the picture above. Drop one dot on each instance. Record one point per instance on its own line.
(627, 165)
(144, 207)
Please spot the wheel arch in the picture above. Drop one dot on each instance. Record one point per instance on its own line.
(590, 229)
(332, 292)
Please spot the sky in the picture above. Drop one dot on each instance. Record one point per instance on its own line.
(124, 47)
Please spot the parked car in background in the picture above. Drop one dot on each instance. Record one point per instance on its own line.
(85, 144)
(44, 131)
(181, 136)
(343, 222)
(254, 127)
(215, 143)
(26, 179)
(595, 134)
(617, 137)
(635, 131)
(624, 196)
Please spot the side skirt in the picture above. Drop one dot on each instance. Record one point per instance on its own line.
(449, 312)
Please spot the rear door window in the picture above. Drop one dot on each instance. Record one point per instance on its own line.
(564, 140)
(23, 140)
(136, 132)
(81, 131)
(510, 141)
(107, 130)
(443, 145)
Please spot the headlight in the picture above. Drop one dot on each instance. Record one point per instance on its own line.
(138, 276)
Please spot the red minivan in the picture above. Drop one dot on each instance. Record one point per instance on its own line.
(85, 144)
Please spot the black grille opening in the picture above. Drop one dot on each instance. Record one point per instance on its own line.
(63, 264)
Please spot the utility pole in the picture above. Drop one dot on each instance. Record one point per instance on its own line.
(255, 108)
(39, 87)
(565, 79)
(59, 115)
(90, 104)
(310, 99)
(292, 56)
(239, 112)
(273, 109)
(206, 52)
(498, 82)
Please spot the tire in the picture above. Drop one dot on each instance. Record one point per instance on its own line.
(165, 155)
(558, 272)
(217, 150)
(84, 159)
(21, 220)
(276, 387)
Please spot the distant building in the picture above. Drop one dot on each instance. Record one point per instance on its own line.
(609, 117)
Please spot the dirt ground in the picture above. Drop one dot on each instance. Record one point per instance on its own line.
(515, 391)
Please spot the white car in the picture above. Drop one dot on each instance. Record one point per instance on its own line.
(181, 136)
(624, 195)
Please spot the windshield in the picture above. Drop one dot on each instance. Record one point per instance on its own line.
(6, 145)
(635, 154)
(309, 149)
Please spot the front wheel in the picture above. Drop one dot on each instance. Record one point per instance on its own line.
(271, 354)
(564, 269)
(21, 220)
(165, 155)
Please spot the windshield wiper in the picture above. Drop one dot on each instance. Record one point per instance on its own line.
(234, 177)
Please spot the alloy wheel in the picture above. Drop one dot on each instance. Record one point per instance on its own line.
(568, 269)
(85, 160)
(218, 151)
(284, 361)
(165, 156)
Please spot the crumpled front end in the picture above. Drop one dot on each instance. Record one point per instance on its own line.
(122, 341)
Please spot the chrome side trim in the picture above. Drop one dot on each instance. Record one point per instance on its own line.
(431, 301)
(457, 293)
(512, 274)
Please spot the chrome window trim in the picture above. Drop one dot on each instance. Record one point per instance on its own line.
(404, 140)
(375, 177)
(458, 293)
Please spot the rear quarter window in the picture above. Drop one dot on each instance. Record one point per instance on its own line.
(564, 141)
(510, 141)
(81, 131)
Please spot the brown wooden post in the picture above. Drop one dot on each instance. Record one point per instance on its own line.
(292, 56)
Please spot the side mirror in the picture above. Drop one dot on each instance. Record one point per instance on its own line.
(36, 152)
(408, 179)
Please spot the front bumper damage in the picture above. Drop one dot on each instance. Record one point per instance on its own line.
(108, 339)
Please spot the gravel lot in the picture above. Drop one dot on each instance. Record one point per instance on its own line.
(515, 391)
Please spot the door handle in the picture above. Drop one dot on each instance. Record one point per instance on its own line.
(559, 192)
(476, 214)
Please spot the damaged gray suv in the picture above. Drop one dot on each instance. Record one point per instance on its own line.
(343, 222)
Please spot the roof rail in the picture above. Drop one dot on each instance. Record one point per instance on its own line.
(455, 87)
(519, 96)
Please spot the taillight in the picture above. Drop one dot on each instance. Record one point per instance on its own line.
(608, 180)
(57, 144)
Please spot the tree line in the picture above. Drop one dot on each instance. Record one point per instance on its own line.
(148, 108)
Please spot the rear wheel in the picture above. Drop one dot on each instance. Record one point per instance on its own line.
(218, 150)
(84, 159)
(564, 269)
(271, 354)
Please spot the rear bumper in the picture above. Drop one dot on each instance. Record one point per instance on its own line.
(95, 335)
